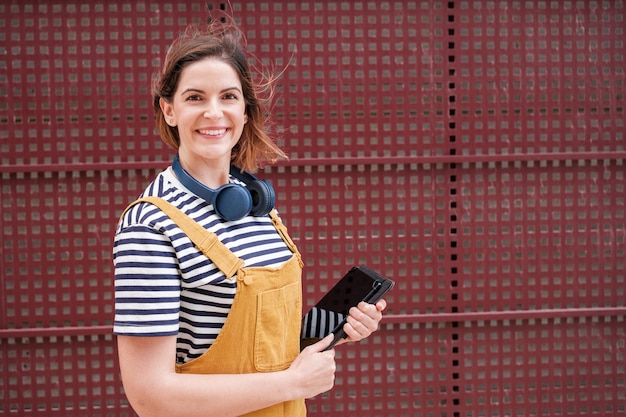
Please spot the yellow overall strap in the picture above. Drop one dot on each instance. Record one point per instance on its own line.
(207, 242)
(284, 234)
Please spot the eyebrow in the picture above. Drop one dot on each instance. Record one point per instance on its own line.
(197, 90)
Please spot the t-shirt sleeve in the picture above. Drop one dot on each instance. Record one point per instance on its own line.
(147, 283)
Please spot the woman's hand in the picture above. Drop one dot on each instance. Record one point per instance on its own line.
(314, 369)
(363, 320)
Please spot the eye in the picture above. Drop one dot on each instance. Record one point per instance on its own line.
(193, 97)
(230, 96)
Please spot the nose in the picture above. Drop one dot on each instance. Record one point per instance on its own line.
(212, 110)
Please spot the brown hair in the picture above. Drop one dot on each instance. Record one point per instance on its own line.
(225, 41)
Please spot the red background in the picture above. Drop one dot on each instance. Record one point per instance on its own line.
(473, 151)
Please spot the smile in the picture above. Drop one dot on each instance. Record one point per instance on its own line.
(216, 132)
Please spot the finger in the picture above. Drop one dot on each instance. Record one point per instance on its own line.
(322, 344)
(367, 311)
(357, 330)
(364, 324)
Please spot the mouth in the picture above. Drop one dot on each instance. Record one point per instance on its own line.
(212, 132)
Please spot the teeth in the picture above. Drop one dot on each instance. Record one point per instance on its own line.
(213, 132)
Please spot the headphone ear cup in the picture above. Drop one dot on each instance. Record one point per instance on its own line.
(263, 197)
(232, 202)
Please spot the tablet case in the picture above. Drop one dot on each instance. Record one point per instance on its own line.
(328, 316)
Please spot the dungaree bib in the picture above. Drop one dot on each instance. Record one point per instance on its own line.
(262, 330)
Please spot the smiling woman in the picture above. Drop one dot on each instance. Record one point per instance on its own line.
(208, 293)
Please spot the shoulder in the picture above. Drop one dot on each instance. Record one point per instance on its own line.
(149, 215)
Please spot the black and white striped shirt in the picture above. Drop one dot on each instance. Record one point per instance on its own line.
(164, 286)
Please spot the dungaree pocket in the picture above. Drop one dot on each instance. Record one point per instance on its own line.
(277, 334)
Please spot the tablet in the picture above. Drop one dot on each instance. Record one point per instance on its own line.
(329, 314)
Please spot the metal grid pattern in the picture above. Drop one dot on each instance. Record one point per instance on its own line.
(57, 238)
(541, 238)
(471, 150)
(64, 375)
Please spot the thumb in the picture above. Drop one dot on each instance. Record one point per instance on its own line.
(321, 345)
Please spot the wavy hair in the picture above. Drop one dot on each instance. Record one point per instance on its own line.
(225, 41)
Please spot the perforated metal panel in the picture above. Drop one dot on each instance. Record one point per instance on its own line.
(62, 375)
(473, 151)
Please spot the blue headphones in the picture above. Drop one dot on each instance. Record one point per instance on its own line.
(232, 201)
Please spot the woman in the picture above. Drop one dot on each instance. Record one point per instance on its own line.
(212, 329)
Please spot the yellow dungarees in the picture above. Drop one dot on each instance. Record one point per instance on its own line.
(262, 330)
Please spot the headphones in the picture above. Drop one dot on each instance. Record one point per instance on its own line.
(232, 201)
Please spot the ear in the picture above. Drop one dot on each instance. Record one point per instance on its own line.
(168, 112)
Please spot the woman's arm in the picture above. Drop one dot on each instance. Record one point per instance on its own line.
(154, 388)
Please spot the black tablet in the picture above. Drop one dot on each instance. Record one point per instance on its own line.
(329, 314)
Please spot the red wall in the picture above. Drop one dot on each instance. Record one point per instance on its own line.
(472, 151)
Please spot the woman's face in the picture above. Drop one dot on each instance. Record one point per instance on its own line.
(209, 110)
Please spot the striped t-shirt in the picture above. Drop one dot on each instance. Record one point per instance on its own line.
(164, 286)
